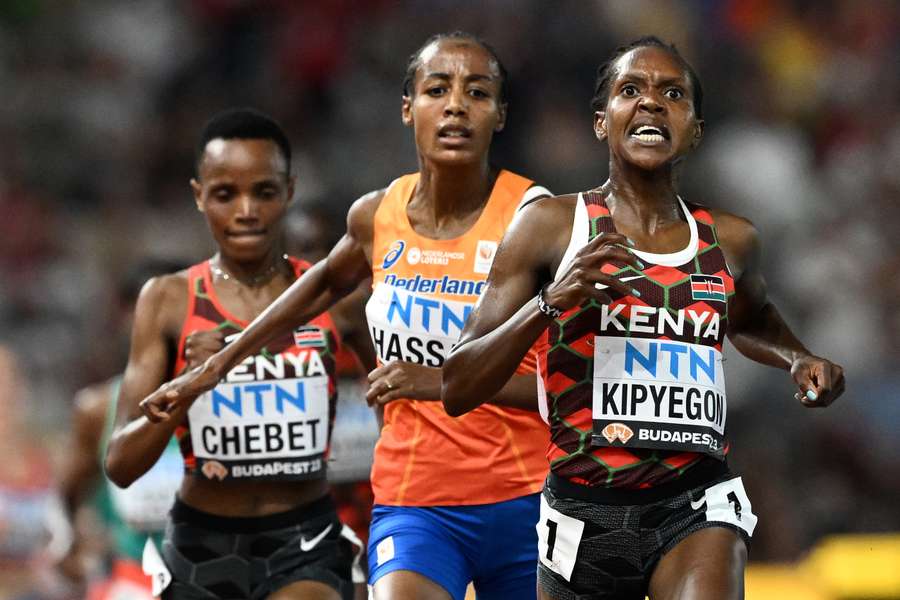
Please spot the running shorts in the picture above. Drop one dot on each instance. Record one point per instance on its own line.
(600, 551)
(223, 558)
(492, 545)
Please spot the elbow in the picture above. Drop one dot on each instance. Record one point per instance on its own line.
(116, 471)
(452, 396)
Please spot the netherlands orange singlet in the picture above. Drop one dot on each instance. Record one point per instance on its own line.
(423, 291)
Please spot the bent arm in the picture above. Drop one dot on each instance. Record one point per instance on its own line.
(757, 329)
(342, 271)
(505, 322)
(136, 443)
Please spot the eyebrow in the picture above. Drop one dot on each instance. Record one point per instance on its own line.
(472, 77)
(681, 80)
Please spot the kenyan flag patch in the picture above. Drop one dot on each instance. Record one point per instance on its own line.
(309, 335)
(707, 287)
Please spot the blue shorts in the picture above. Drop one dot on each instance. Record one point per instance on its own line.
(492, 545)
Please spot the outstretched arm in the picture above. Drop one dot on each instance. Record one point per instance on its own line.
(506, 321)
(757, 329)
(346, 266)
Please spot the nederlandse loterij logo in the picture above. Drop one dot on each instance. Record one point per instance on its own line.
(393, 254)
(414, 256)
(707, 287)
(617, 431)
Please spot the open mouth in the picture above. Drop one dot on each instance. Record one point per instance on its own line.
(651, 134)
(454, 132)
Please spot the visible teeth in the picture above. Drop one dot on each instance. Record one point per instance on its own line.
(649, 137)
(454, 134)
(647, 129)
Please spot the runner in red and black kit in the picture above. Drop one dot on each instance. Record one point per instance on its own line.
(253, 517)
(631, 294)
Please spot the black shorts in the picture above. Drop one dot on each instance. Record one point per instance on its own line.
(590, 550)
(224, 558)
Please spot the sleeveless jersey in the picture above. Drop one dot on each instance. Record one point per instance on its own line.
(141, 510)
(634, 390)
(271, 416)
(423, 291)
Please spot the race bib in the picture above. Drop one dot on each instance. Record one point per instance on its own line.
(658, 394)
(263, 423)
(412, 326)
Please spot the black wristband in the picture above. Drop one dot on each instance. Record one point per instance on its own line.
(547, 309)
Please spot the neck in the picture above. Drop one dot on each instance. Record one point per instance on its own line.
(249, 272)
(452, 192)
(646, 199)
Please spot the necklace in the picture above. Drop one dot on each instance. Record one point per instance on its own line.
(255, 280)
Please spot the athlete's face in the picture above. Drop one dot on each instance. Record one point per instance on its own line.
(649, 119)
(243, 190)
(455, 104)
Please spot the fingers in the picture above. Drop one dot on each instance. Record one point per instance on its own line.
(380, 372)
(150, 406)
(820, 382)
(382, 391)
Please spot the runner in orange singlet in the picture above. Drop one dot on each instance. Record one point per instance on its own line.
(631, 292)
(455, 500)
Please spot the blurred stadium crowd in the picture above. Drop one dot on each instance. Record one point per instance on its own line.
(102, 102)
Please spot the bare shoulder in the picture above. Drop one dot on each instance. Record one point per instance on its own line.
(163, 300)
(739, 239)
(361, 216)
(548, 219)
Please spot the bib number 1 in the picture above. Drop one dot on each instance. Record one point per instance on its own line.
(558, 539)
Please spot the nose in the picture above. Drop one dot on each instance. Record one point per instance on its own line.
(650, 103)
(246, 208)
(456, 102)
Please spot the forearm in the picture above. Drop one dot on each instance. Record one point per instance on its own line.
(478, 369)
(306, 298)
(135, 447)
(768, 340)
(520, 391)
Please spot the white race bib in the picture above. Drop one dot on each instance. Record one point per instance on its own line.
(414, 327)
(653, 393)
(255, 427)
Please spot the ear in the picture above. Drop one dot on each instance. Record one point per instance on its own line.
(501, 117)
(406, 111)
(600, 125)
(197, 189)
(698, 133)
(291, 187)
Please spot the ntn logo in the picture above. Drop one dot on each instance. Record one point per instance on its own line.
(257, 396)
(427, 313)
(699, 359)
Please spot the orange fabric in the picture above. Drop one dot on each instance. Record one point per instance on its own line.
(425, 457)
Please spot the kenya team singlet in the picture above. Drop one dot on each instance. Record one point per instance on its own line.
(271, 416)
(634, 390)
(423, 291)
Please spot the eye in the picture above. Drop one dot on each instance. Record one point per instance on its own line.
(268, 193)
(629, 90)
(221, 194)
(479, 93)
(674, 94)
(436, 91)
